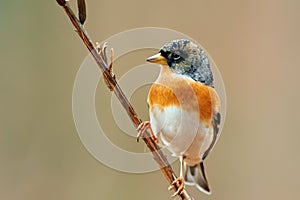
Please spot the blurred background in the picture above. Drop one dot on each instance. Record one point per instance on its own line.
(255, 45)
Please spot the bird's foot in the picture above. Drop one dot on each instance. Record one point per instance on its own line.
(180, 185)
(142, 128)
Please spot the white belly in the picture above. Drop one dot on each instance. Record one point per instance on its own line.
(181, 132)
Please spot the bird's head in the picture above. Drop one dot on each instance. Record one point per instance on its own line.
(185, 58)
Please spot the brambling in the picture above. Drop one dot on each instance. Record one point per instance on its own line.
(184, 109)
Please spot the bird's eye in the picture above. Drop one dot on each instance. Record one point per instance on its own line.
(176, 56)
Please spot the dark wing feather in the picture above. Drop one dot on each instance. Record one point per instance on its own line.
(216, 126)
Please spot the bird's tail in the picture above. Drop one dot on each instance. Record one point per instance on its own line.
(195, 175)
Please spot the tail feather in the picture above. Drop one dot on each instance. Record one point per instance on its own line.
(195, 175)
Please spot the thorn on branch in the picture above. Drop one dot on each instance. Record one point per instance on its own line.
(98, 48)
(102, 52)
(112, 54)
(81, 11)
(61, 2)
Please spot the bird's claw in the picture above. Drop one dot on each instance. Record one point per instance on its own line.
(178, 181)
(142, 128)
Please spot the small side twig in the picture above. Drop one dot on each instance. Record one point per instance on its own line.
(100, 57)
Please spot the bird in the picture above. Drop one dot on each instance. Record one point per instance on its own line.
(184, 109)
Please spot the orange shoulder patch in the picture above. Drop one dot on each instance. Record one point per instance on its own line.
(208, 100)
(162, 96)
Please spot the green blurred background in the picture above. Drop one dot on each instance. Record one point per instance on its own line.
(254, 43)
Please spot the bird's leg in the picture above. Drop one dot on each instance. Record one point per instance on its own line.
(142, 128)
(178, 181)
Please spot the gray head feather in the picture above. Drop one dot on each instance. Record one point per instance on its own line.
(186, 58)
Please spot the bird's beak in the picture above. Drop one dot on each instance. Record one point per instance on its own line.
(158, 59)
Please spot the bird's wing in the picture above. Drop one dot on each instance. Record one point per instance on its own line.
(215, 121)
(216, 126)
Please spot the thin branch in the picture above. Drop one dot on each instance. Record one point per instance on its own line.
(101, 60)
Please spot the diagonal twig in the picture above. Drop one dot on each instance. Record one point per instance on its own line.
(100, 57)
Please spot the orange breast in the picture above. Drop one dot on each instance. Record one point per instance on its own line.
(189, 95)
(162, 96)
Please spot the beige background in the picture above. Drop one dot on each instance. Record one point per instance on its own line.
(255, 45)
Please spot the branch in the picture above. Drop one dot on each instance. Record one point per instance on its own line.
(100, 57)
